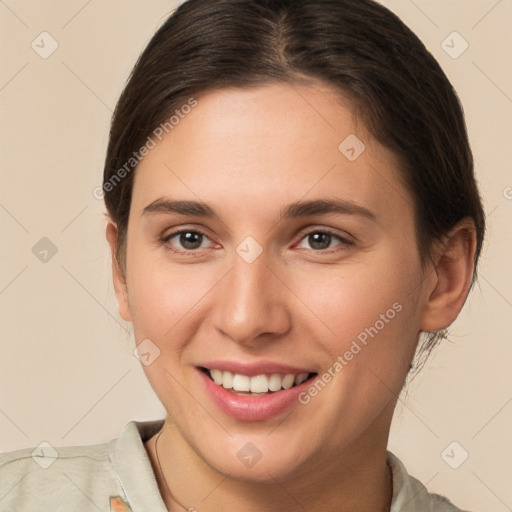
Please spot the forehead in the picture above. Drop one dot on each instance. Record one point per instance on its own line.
(277, 143)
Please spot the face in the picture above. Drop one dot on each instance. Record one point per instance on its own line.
(252, 292)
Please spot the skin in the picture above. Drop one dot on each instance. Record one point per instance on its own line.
(248, 153)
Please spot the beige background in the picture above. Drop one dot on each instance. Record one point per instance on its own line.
(67, 372)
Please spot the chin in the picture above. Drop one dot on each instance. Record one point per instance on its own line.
(256, 458)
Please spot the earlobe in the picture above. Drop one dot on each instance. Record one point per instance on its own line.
(118, 276)
(454, 271)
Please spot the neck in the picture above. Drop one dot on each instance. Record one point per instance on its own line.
(361, 482)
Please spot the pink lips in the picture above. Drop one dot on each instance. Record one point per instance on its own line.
(252, 408)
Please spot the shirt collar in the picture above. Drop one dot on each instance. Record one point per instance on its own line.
(133, 466)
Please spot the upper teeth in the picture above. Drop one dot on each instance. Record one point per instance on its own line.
(257, 384)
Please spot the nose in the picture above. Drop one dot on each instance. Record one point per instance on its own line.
(252, 304)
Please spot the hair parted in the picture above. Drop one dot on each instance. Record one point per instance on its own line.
(358, 47)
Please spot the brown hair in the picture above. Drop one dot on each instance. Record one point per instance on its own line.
(359, 47)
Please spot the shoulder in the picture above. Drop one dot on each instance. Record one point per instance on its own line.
(39, 478)
(66, 478)
(410, 495)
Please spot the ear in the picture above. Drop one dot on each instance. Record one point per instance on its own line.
(452, 276)
(117, 274)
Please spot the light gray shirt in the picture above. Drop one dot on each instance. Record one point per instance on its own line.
(117, 477)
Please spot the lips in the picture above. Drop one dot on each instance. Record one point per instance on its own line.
(253, 392)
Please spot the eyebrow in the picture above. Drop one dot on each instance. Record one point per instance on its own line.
(293, 210)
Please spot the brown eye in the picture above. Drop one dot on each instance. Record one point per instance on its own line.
(190, 240)
(321, 240)
(185, 240)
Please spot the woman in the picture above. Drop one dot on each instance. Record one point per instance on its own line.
(292, 210)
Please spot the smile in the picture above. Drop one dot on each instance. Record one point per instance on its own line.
(254, 392)
(257, 385)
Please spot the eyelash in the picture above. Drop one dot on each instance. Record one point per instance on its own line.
(165, 240)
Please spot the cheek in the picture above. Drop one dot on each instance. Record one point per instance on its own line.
(162, 301)
(168, 304)
(160, 305)
(369, 310)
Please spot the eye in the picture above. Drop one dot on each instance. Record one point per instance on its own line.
(320, 240)
(190, 240)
